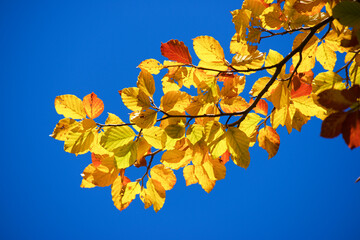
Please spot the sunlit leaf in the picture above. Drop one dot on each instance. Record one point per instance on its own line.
(189, 175)
(155, 136)
(115, 137)
(238, 146)
(269, 140)
(144, 119)
(135, 99)
(93, 105)
(63, 127)
(326, 56)
(163, 175)
(176, 51)
(175, 159)
(117, 192)
(70, 106)
(151, 65)
(208, 49)
(146, 83)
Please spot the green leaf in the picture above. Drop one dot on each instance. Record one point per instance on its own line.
(115, 137)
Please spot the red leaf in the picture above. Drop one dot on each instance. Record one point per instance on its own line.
(176, 51)
(351, 129)
(333, 124)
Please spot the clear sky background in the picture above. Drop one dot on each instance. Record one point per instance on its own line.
(50, 48)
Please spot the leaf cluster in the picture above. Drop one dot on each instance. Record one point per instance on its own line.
(201, 133)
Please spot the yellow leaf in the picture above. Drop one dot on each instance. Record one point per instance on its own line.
(208, 49)
(206, 183)
(272, 59)
(86, 184)
(214, 169)
(144, 119)
(241, 19)
(186, 75)
(176, 159)
(146, 83)
(102, 176)
(235, 104)
(233, 86)
(156, 194)
(299, 120)
(79, 142)
(164, 175)
(175, 100)
(240, 45)
(175, 131)
(259, 86)
(155, 136)
(143, 148)
(131, 190)
(189, 175)
(355, 73)
(217, 66)
(327, 80)
(126, 155)
(135, 99)
(63, 127)
(269, 140)
(238, 146)
(169, 84)
(70, 106)
(145, 198)
(280, 96)
(326, 56)
(308, 53)
(245, 62)
(151, 65)
(307, 106)
(117, 192)
(195, 133)
(113, 119)
(272, 17)
(88, 124)
(218, 146)
(255, 6)
(248, 125)
(115, 137)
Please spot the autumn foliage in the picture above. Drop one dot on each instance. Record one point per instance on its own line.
(201, 133)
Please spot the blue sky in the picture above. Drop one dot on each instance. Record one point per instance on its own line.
(50, 48)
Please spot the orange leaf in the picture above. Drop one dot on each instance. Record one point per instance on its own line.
(351, 129)
(94, 106)
(96, 159)
(269, 140)
(176, 51)
(225, 157)
(261, 106)
(301, 83)
(333, 124)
